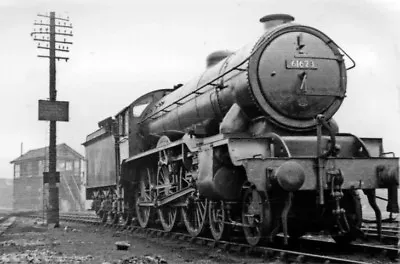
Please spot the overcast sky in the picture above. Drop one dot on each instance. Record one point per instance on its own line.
(123, 49)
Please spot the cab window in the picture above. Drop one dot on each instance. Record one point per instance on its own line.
(138, 109)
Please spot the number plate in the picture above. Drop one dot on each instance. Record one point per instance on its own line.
(301, 64)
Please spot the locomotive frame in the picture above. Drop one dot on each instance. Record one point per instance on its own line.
(250, 153)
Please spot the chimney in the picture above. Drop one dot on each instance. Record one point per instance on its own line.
(274, 20)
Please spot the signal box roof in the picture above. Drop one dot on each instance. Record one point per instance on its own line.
(63, 152)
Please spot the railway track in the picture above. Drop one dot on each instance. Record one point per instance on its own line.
(387, 237)
(390, 232)
(300, 251)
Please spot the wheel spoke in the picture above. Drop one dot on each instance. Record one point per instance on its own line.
(194, 216)
(146, 196)
(167, 215)
(204, 204)
(198, 218)
(219, 215)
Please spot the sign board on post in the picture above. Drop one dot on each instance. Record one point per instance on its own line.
(47, 175)
(53, 110)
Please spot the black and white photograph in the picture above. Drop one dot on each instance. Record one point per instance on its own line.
(199, 132)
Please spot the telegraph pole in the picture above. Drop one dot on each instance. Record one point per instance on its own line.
(50, 34)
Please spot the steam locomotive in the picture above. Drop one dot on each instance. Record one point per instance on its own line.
(250, 144)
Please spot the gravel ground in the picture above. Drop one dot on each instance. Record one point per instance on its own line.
(31, 242)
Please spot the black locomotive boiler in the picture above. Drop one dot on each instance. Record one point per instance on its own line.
(250, 144)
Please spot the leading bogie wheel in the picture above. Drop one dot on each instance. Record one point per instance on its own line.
(217, 218)
(255, 215)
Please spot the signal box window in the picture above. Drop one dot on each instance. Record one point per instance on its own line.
(126, 123)
(60, 165)
(28, 169)
(40, 168)
(121, 125)
(17, 171)
(76, 167)
(68, 166)
(35, 169)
